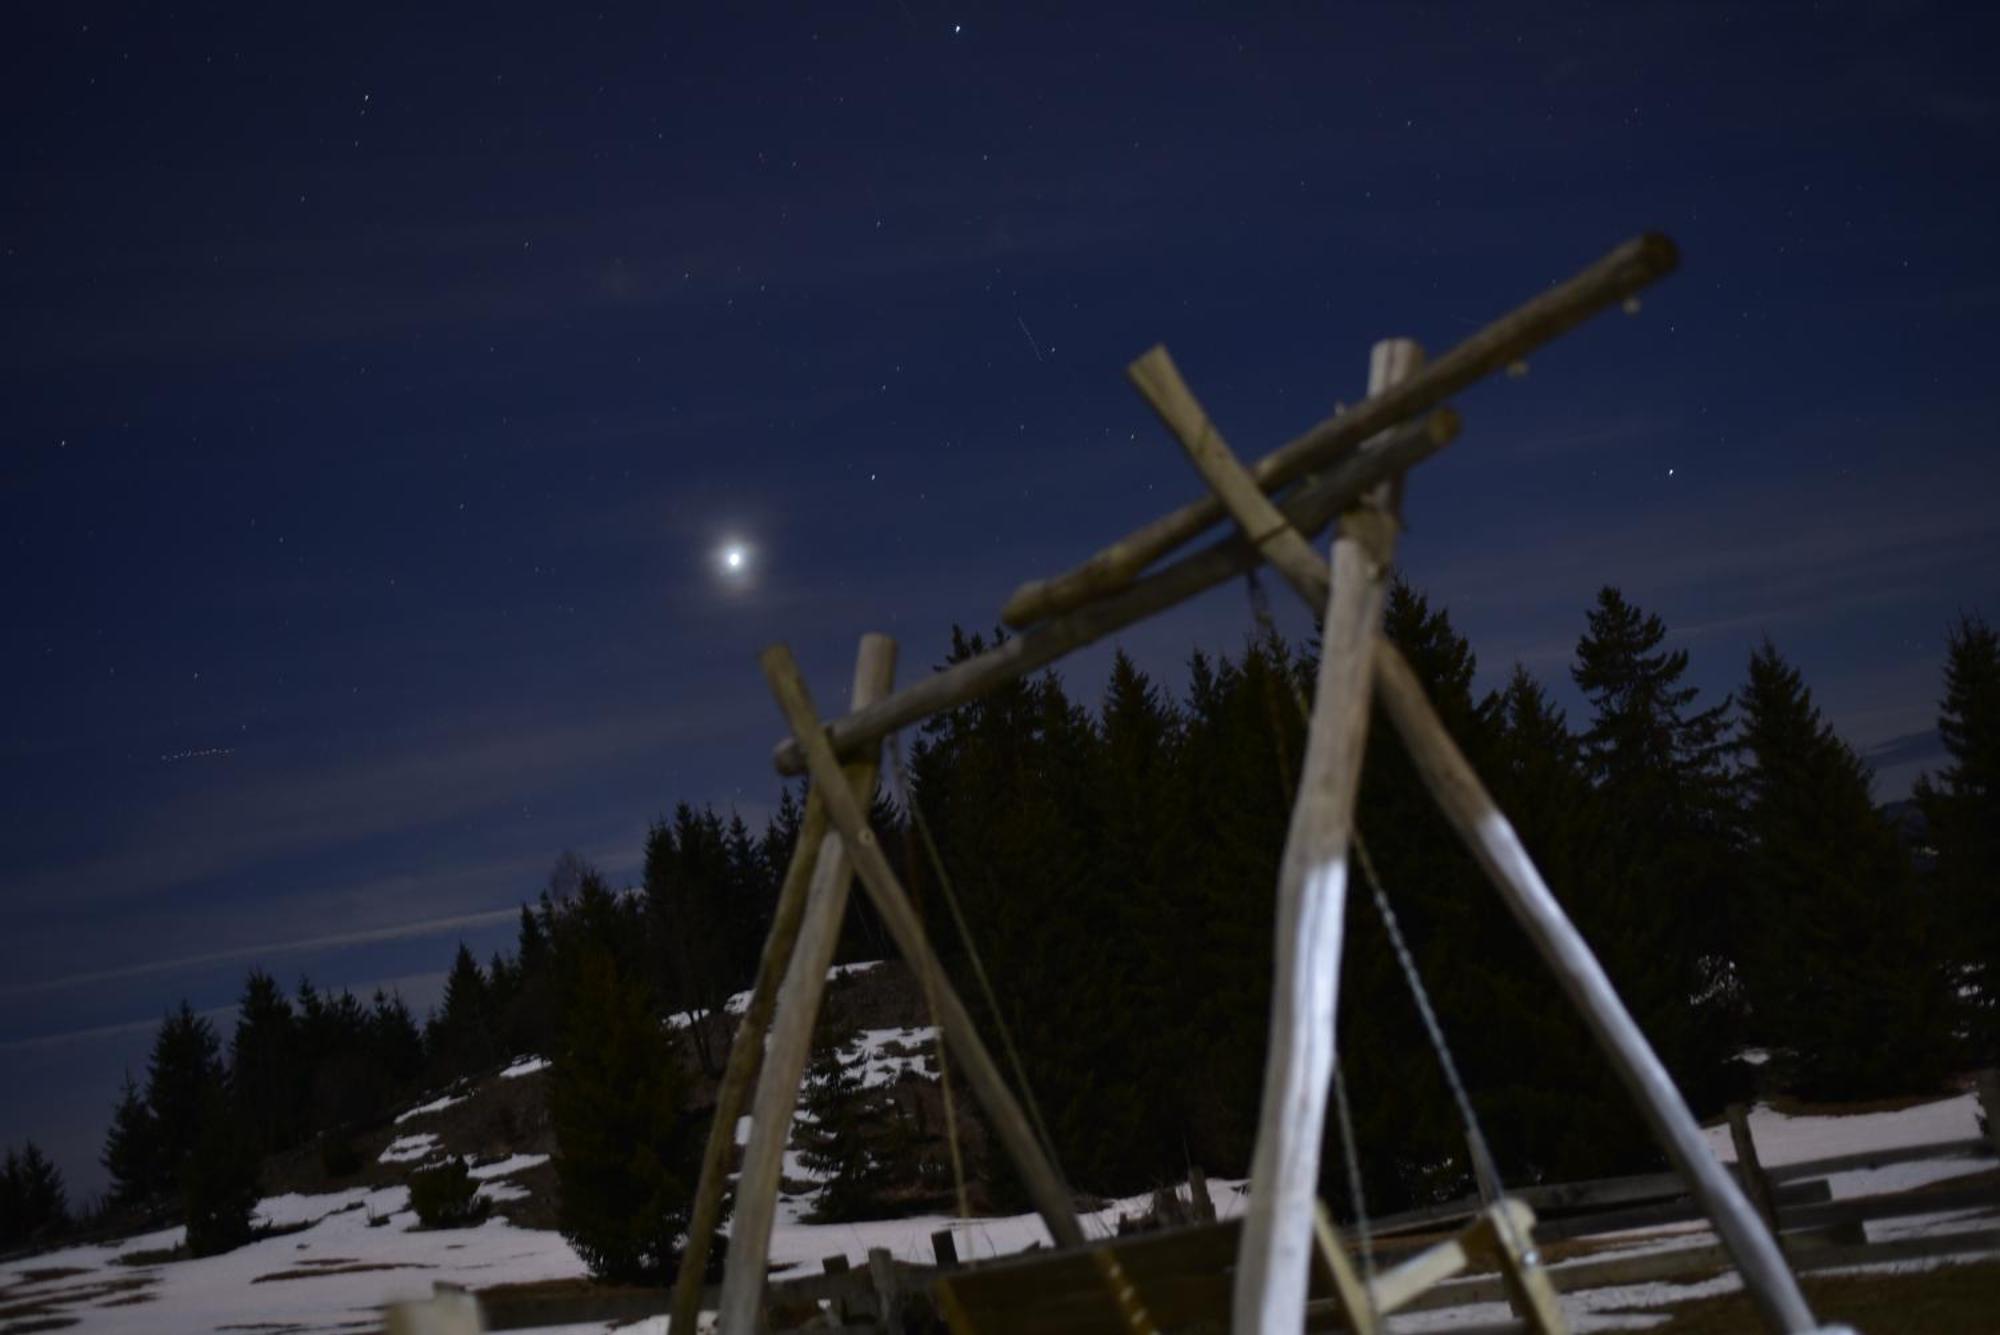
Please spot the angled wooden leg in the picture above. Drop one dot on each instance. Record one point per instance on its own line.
(1356, 1302)
(789, 1044)
(744, 1052)
(1044, 1184)
(1505, 1230)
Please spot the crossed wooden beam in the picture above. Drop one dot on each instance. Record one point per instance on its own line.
(1346, 467)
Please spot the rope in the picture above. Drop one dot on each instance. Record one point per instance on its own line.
(907, 792)
(1485, 1174)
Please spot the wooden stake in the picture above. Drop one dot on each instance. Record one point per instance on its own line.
(1309, 509)
(1749, 1168)
(1506, 341)
(1045, 1186)
(744, 1053)
(789, 1045)
(1275, 1253)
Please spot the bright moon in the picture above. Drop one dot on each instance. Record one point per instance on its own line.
(732, 561)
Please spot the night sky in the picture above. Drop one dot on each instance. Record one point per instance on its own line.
(380, 391)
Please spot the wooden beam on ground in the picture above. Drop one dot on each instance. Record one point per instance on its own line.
(1611, 280)
(789, 1044)
(1309, 509)
(1044, 1184)
(1275, 1255)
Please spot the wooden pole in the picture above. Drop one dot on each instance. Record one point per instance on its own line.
(888, 1290)
(1309, 509)
(1494, 845)
(1045, 1186)
(1274, 1255)
(789, 1043)
(1506, 341)
(744, 1052)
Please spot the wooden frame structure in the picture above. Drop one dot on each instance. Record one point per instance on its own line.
(1350, 468)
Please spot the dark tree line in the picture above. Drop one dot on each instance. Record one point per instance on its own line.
(1724, 857)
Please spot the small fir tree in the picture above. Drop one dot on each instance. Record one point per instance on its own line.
(627, 1156)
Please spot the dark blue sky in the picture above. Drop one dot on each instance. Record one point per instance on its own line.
(378, 389)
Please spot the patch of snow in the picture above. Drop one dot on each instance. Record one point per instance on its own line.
(525, 1066)
(517, 1163)
(408, 1149)
(435, 1105)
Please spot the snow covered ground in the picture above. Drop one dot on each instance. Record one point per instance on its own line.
(358, 1249)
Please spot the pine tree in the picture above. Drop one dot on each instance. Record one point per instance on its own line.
(836, 1139)
(132, 1154)
(461, 1039)
(627, 1156)
(1658, 920)
(1836, 959)
(1961, 806)
(219, 1179)
(33, 1205)
(183, 1082)
(266, 1077)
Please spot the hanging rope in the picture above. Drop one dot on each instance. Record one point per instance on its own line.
(906, 793)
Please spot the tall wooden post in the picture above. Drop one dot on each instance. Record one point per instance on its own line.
(744, 1052)
(789, 1043)
(1274, 1257)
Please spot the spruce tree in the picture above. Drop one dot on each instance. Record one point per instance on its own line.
(139, 1172)
(183, 1081)
(843, 1119)
(266, 1076)
(461, 1039)
(33, 1205)
(219, 1179)
(1835, 955)
(1961, 806)
(1658, 920)
(627, 1154)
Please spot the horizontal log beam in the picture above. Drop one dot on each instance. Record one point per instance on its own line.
(1308, 509)
(1507, 340)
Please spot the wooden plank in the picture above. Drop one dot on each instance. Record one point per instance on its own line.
(1044, 1184)
(789, 1043)
(1399, 1286)
(1677, 1210)
(1495, 846)
(1274, 1258)
(1612, 279)
(1897, 1205)
(745, 1052)
(1309, 508)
